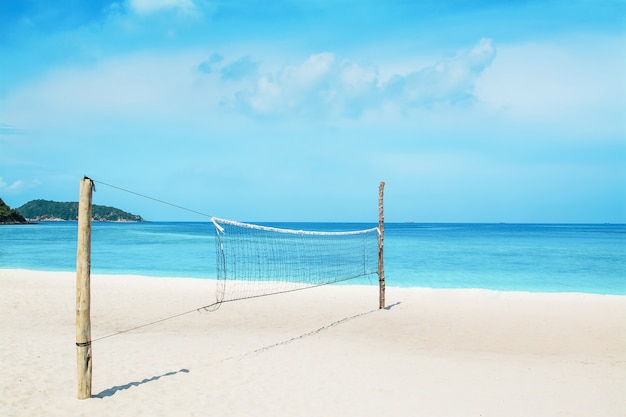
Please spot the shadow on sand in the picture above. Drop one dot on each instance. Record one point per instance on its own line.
(111, 391)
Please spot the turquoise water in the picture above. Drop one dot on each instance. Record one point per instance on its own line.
(527, 257)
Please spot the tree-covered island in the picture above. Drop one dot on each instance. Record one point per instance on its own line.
(45, 210)
(9, 215)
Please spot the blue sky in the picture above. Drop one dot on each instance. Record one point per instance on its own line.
(470, 111)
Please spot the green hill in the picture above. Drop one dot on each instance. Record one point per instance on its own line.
(9, 215)
(43, 210)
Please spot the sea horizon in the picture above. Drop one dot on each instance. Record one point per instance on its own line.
(535, 257)
(34, 222)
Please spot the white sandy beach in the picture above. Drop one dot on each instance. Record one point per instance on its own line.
(321, 352)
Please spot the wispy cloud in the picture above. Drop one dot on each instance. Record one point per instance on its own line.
(13, 187)
(324, 84)
(449, 81)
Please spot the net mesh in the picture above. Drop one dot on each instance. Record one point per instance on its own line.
(254, 260)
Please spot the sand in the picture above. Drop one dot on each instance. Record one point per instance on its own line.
(321, 352)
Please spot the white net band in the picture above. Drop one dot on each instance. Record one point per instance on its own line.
(216, 221)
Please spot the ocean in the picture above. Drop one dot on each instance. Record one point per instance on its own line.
(587, 258)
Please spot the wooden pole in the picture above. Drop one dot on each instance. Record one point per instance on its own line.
(381, 244)
(83, 291)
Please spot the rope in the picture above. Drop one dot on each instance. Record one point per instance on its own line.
(153, 199)
(206, 308)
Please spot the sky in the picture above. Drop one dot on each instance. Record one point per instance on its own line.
(295, 110)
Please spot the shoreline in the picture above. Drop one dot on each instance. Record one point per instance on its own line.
(336, 284)
(323, 351)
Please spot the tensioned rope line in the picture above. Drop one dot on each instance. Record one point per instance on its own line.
(148, 324)
(206, 308)
(152, 198)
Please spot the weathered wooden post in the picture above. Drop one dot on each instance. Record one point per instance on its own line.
(381, 243)
(83, 291)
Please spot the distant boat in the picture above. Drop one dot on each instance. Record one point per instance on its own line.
(409, 222)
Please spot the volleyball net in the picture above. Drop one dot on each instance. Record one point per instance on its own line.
(252, 261)
(255, 260)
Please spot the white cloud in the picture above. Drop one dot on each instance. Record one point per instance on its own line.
(293, 87)
(15, 186)
(450, 80)
(185, 87)
(323, 84)
(313, 70)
